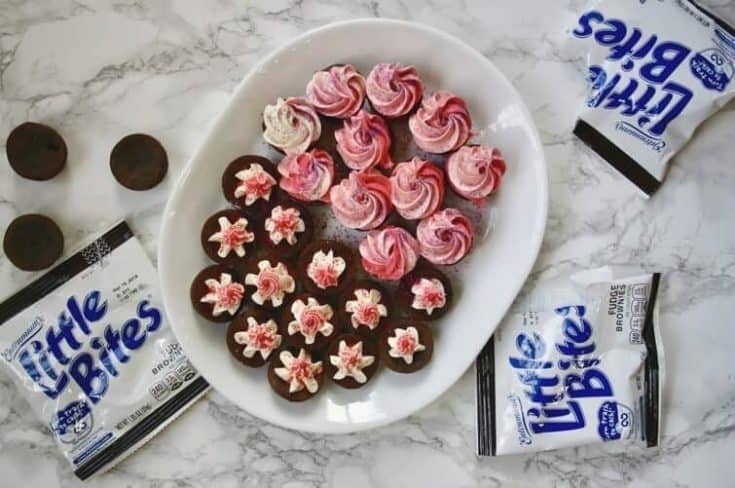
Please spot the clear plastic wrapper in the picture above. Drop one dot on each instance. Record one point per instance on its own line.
(580, 361)
(656, 69)
(89, 346)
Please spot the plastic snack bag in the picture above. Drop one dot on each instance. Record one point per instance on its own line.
(89, 346)
(656, 69)
(579, 362)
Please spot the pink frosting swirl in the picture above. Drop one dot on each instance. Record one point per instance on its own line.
(441, 124)
(307, 176)
(417, 188)
(474, 172)
(445, 237)
(364, 141)
(362, 201)
(389, 253)
(337, 92)
(394, 89)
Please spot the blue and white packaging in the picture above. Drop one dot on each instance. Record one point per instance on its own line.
(88, 345)
(578, 361)
(656, 70)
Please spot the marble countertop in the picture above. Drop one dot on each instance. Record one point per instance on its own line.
(99, 69)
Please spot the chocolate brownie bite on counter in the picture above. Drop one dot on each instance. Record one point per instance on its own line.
(425, 293)
(326, 267)
(217, 293)
(351, 360)
(33, 242)
(309, 321)
(228, 237)
(406, 346)
(364, 308)
(296, 374)
(250, 182)
(36, 151)
(287, 229)
(269, 281)
(253, 336)
(138, 162)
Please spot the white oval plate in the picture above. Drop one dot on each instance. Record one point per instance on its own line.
(487, 281)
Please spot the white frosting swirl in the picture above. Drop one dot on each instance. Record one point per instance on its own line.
(291, 125)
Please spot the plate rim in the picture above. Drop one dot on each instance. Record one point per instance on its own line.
(538, 235)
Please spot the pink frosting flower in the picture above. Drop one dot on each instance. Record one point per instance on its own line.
(441, 124)
(389, 253)
(362, 201)
(224, 294)
(474, 172)
(337, 92)
(394, 89)
(307, 176)
(445, 237)
(364, 141)
(417, 188)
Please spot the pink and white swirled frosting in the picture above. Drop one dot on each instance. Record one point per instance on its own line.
(474, 172)
(336, 92)
(307, 176)
(364, 142)
(441, 124)
(389, 253)
(291, 125)
(362, 200)
(394, 89)
(417, 188)
(445, 237)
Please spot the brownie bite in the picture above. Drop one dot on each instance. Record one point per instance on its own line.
(36, 151)
(326, 267)
(250, 182)
(33, 242)
(351, 360)
(425, 293)
(228, 237)
(269, 281)
(287, 228)
(364, 308)
(138, 162)
(217, 293)
(296, 374)
(309, 321)
(406, 346)
(253, 336)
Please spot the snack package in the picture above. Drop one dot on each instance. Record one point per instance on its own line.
(89, 346)
(656, 69)
(579, 362)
